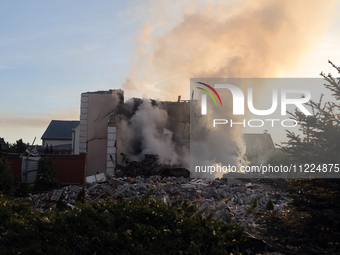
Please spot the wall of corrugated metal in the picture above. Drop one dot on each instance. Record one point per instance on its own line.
(29, 169)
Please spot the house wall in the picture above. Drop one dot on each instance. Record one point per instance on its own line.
(55, 142)
(84, 105)
(259, 148)
(75, 140)
(111, 148)
(95, 111)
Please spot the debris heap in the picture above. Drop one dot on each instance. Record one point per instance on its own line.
(150, 166)
(230, 198)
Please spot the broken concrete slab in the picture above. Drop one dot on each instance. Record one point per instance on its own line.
(96, 178)
(56, 195)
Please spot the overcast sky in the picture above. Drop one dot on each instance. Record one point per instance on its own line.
(52, 51)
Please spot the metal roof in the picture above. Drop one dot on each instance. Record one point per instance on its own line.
(60, 129)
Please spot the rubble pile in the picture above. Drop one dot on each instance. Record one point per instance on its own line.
(229, 199)
(150, 166)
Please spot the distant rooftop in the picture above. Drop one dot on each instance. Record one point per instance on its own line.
(111, 91)
(263, 140)
(60, 129)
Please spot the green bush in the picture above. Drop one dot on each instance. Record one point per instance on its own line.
(311, 221)
(46, 176)
(14, 217)
(137, 226)
(61, 204)
(81, 196)
(6, 178)
(23, 189)
(270, 206)
(253, 203)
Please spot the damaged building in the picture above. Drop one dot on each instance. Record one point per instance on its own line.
(113, 133)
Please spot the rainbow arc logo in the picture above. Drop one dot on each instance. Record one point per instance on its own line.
(209, 93)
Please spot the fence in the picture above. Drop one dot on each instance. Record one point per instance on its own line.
(70, 168)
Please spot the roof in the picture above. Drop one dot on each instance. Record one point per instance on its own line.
(60, 129)
(263, 141)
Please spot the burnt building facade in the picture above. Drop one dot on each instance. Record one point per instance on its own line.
(110, 127)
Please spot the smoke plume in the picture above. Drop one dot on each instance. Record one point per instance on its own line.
(238, 39)
(242, 39)
(144, 131)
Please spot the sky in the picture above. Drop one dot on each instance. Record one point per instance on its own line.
(52, 51)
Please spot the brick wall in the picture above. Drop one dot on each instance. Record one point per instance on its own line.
(14, 161)
(70, 168)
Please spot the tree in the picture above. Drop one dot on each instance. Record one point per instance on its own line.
(320, 130)
(46, 176)
(311, 223)
(18, 147)
(6, 178)
(280, 158)
(51, 149)
(47, 151)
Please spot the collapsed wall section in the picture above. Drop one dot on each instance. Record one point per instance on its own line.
(160, 128)
(179, 121)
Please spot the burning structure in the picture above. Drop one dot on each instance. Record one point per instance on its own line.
(113, 132)
(145, 136)
(248, 41)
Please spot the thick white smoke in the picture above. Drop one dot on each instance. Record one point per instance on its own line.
(145, 132)
(218, 39)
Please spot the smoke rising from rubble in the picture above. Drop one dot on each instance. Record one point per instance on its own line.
(239, 39)
(145, 133)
